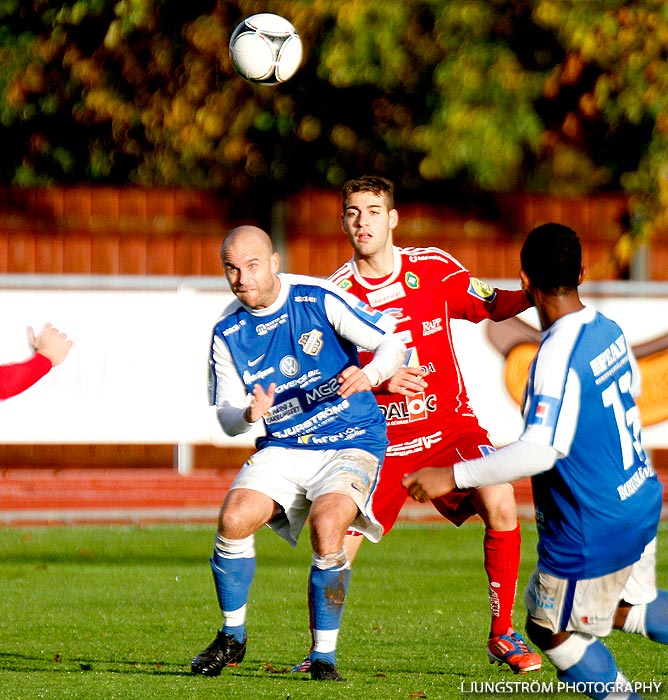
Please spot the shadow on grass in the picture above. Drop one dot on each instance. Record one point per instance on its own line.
(35, 663)
(26, 663)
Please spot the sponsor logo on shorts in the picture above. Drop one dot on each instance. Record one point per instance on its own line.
(545, 602)
(357, 472)
(420, 444)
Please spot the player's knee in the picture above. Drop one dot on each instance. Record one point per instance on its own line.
(233, 524)
(496, 506)
(542, 637)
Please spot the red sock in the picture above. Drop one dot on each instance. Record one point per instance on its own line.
(502, 562)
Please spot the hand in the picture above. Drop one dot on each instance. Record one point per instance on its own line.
(352, 380)
(428, 483)
(406, 381)
(51, 343)
(261, 402)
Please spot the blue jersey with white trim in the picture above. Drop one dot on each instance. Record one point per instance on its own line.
(302, 344)
(599, 506)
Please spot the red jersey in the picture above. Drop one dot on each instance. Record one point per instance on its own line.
(17, 377)
(427, 289)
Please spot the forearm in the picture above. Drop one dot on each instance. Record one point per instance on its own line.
(388, 357)
(232, 419)
(511, 463)
(19, 376)
(508, 303)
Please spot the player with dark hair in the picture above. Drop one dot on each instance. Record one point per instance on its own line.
(285, 353)
(50, 348)
(597, 497)
(426, 407)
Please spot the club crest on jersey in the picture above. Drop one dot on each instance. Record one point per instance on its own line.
(311, 342)
(482, 290)
(345, 285)
(412, 280)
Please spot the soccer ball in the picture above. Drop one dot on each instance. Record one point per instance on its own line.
(265, 49)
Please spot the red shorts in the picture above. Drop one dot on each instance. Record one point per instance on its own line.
(436, 451)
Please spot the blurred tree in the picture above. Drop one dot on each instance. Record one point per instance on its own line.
(446, 97)
(612, 88)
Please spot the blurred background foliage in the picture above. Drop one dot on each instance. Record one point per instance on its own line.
(450, 98)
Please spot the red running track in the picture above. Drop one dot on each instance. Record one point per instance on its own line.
(38, 496)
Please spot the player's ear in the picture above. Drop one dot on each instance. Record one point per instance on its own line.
(393, 218)
(583, 271)
(275, 262)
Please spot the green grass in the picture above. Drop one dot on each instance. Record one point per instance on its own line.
(118, 612)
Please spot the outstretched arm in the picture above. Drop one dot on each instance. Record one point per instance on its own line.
(51, 343)
(511, 463)
(508, 303)
(51, 348)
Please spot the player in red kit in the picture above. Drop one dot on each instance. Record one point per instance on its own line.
(429, 419)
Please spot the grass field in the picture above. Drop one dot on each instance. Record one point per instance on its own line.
(118, 612)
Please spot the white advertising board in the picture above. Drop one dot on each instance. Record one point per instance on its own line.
(138, 370)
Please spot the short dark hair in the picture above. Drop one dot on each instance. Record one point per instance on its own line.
(551, 257)
(369, 183)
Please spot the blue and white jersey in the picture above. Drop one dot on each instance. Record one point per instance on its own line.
(302, 342)
(599, 506)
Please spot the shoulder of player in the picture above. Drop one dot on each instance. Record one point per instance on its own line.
(343, 274)
(305, 285)
(430, 256)
(431, 263)
(562, 339)
(230, 310)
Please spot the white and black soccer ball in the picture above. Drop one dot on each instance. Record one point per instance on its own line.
(265, 49)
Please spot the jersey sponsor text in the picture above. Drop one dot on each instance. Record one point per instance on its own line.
(412, 408)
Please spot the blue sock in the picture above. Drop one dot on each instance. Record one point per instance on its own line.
(232, 577)
(327, 596)
(656, 618)
(597, 665)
